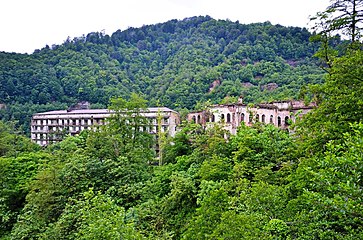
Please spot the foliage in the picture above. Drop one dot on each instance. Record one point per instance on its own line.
(12, 143)
(262, 183)
(95, 216)
(338, 99)
(16, 173)
(244, 187)
(330, 201)
(344, 16)
(261, 148)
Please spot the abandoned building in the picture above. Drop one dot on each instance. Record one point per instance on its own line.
(280, 114)
(50, 127)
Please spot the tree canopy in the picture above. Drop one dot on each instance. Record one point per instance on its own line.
(262, 183)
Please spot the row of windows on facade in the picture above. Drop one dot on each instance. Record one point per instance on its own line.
(58, 129)
(72, 130)
(45, 139)
(242, 118)
(98, 121)
(62, 122)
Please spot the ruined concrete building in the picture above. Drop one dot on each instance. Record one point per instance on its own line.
(280, 114)
(49, 127)
(53, 126)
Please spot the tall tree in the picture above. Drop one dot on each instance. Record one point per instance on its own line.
(339, 97)
(341, 15)
(127, 132)
(327, 178)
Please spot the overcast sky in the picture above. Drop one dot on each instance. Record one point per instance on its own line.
(27, 25)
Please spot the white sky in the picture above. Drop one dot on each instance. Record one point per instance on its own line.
(27, 25)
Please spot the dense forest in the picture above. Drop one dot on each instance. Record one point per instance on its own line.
(262, 183)
(176, 64)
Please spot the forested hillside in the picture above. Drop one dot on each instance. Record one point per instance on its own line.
(175, 64)
(262, 183)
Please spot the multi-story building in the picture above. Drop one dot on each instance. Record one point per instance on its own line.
(280, 114)
(53, 126)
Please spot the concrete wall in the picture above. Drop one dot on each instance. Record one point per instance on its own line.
(232, 115)
(52, 126)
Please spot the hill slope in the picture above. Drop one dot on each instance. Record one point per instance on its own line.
(176, 64)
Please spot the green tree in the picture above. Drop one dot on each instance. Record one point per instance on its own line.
(44, 203)
(338, 98)
(329, 204)
(12, 143)
(339, 105)
(212, 201)
(16, 175)
(127, 132)
(344, 16)
(260, 151)
(95, 216)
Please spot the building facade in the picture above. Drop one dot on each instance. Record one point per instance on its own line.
(280, 114)
(53, 126)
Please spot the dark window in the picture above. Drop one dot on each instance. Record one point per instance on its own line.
(242, 117)
(263, 118)
(213, 118)
(271, 119)
(228, 117)
(279, 121)
(250, 118)
(257, 117)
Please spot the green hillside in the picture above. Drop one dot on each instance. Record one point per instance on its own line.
(176, 64)
(261, 183)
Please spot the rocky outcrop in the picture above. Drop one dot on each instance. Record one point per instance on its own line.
(247, 84)
(214, 84)
(269, 86)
